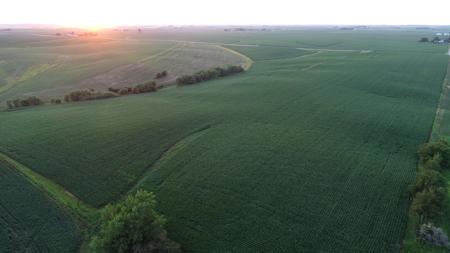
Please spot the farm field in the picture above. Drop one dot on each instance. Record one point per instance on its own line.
(29, 221)
(307, 151)
(55, 66)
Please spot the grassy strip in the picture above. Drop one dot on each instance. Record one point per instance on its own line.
(410, 244)
(168, 154)
(81, 211)
(248, 61)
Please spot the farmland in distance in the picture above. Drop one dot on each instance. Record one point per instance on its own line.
(308, 151)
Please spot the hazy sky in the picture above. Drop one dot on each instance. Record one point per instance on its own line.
(100, 13)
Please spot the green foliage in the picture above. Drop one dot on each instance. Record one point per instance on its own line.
(161, 74)
(424, 39)
(145, 87)
(56, 101)
(83, 95)
(427, 180)
(428, 204)
(30, 101)
(435, 152)
(209, 75)
(131, 225)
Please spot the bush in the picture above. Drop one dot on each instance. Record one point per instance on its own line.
(428, 180)
(30, 101)
(429, 204)
(206, 75)
(145, 87)
(83, 95)
(55, 101)
(431, 235)
(133, 225)
(111, 89)
(123, 91)
(429, 151)
(424, 39)
(161, 74)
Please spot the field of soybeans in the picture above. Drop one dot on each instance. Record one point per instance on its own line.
(312, 149)
(29, 222)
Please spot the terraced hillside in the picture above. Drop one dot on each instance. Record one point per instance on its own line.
(55, 65)
(308, 151)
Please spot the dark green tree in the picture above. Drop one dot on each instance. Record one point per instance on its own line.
(133, 226)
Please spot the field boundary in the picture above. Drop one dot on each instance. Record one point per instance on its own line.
(168, 153)
(440, 108)
(248, 61)
(409, 238)
(83, 212)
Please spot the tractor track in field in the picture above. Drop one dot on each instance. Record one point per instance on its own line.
(166, 154)
(435, 131)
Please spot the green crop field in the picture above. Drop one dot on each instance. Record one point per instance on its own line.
(29, 221)
(310, 150)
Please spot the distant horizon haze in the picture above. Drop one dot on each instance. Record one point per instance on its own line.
(103, 14)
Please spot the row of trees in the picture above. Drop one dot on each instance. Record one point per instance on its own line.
(430, 189)
(91, 94)
(206, 75)
(429, 192)
(435, 40)
(133, 226)
(30, 101)
(140, 88)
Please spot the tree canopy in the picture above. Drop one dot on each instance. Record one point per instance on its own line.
(133, 226)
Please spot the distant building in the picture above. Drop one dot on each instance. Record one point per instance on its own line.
(446, 34)
(438, 34)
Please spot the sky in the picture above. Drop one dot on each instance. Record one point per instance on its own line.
(103, 13)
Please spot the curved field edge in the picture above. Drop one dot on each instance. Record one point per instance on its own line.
(248, 61)
(168, 154)
(439, 130)
(77, 208)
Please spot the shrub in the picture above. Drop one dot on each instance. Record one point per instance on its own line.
(431, 235)
(424, 39)
(429, 204)
(206, 75)
(161, 74)
(55, 101)
(123, 91)
(145, 87)
(30, 101)
(428, 180)
(133, 225)
(90, 94)
(428, 152)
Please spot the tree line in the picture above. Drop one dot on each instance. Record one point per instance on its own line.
(30, 101)
(210, 74)
(140, 88)
(436, 39)
(429, 192)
